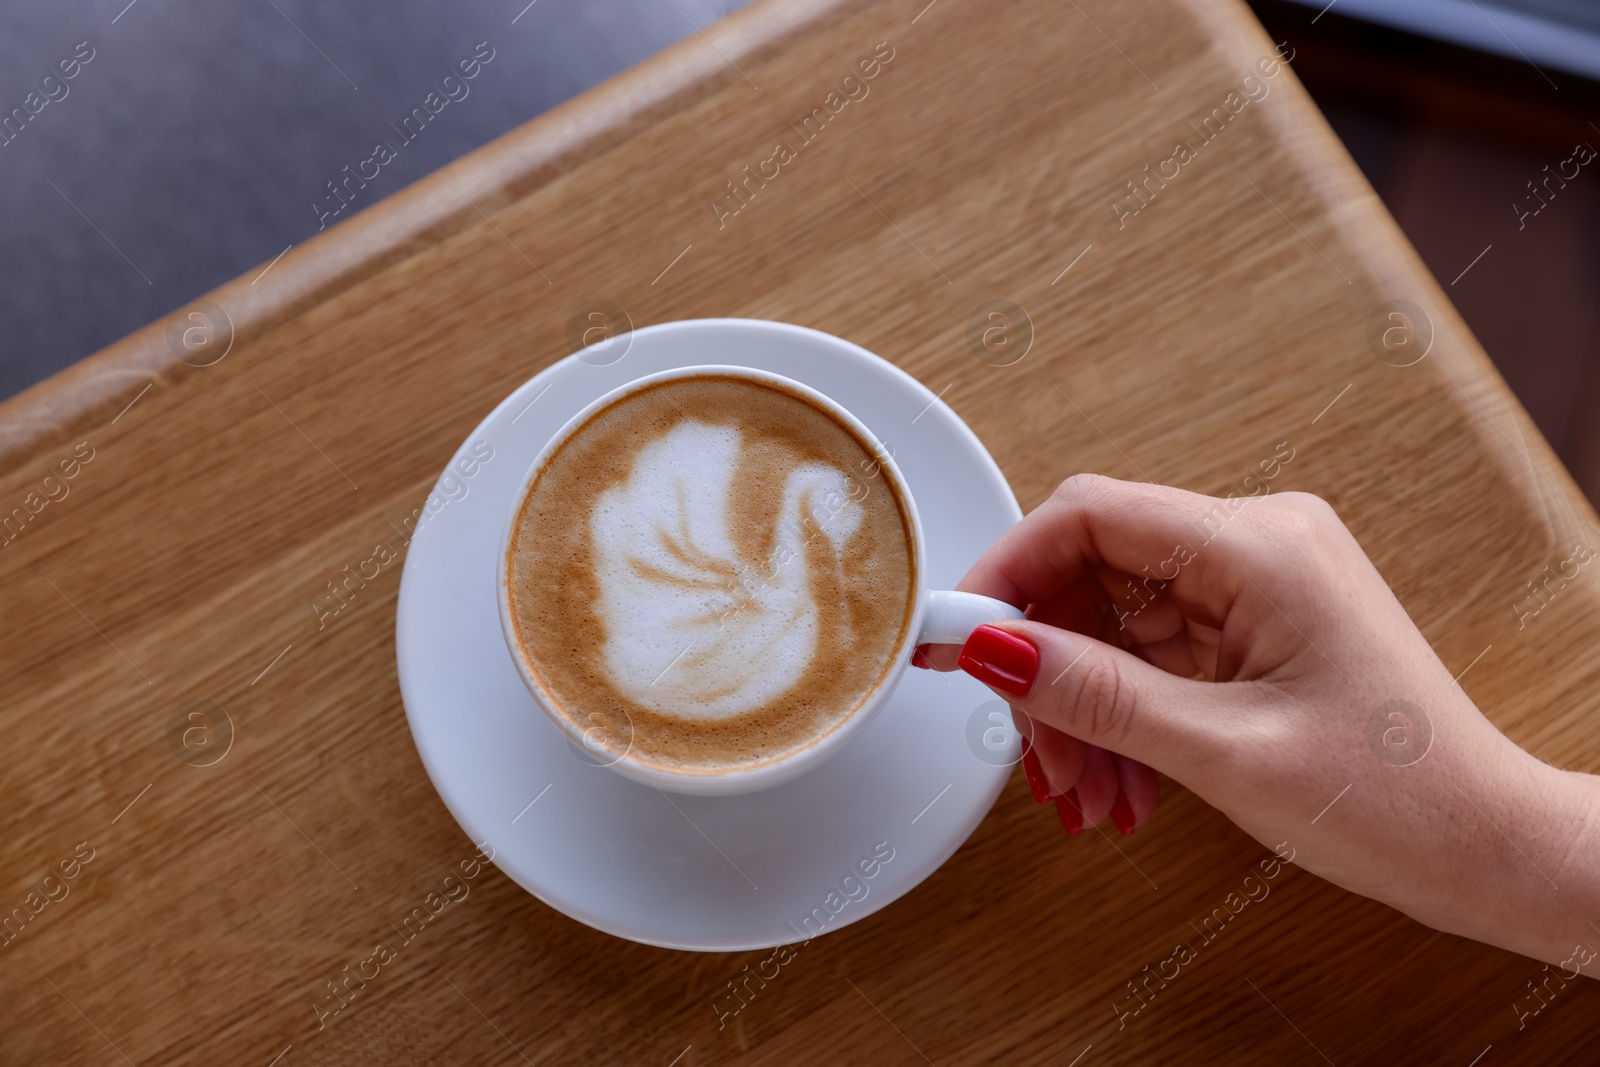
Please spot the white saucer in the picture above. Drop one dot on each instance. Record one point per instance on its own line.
(701, 873)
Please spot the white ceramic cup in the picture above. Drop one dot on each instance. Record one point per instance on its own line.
(939, 617)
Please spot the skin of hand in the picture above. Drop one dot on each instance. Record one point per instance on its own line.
(1249, 649)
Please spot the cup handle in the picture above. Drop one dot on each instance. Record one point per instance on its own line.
(951, 617)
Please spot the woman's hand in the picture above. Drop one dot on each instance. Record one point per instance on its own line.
(1250, 650)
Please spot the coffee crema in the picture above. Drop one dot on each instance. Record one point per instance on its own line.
(710, 574)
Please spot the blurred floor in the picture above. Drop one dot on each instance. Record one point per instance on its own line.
(192, 147)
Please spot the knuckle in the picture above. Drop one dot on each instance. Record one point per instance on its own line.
(1303, 520)
(1080, 487)
(1097, 703)
(1300, 525)
(1310, 506)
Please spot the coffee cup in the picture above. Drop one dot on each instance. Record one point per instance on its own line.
(755, 522)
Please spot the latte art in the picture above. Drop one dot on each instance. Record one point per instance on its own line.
(711, 572)
(695, 628)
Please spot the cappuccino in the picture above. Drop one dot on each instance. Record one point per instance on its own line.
(710, 574)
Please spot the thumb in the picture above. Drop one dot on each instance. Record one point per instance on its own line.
(1099, 693)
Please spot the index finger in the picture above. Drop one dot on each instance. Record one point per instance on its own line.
(1171, 538)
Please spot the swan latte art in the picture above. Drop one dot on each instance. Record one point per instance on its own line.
(711, 574)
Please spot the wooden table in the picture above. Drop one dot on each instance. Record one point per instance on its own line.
(1178, 334)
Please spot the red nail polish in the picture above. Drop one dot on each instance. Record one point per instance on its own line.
(1070, 814)
(919, 658)
(1038, 784)
(1122, 814)
(1001, 659)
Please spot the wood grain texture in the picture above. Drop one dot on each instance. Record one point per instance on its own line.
(1190, 338)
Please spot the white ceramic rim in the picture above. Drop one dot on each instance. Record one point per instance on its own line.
(765, 775)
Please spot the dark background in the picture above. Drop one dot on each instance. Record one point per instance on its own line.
(1449, 138)
(192, 147)
(199, 137)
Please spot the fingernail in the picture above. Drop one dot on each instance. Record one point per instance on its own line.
(1122, 815)
(1070, 814)
(919, 658)
(1001, 659)
(1038, 784)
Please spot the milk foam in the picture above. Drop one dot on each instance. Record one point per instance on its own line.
(694, 630)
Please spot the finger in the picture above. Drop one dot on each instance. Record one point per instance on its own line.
(1141, 610)
(1060, 758)
(1141, 790)
(1097, 786)
(1069, 813)
(1083, 606)
(936, 657)
(1205, 644)
(1157, 532)
(1175, 655)
(1033, 773)
(1107, 696)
